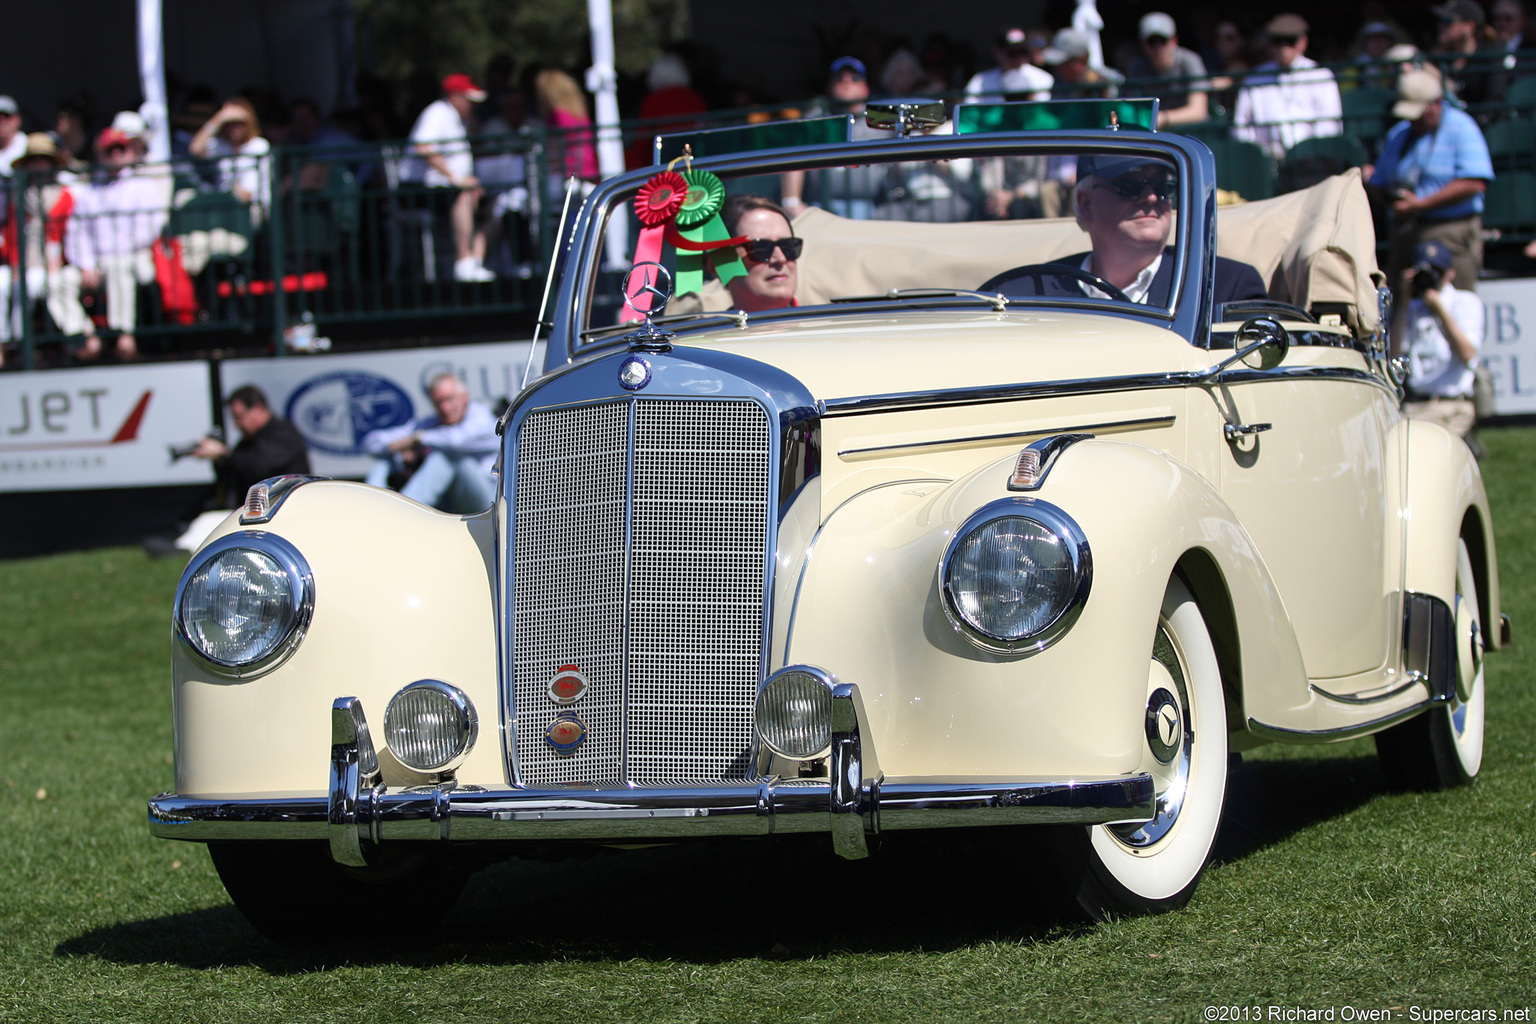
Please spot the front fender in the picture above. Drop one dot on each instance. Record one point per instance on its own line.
(869, 611)
(401, 593)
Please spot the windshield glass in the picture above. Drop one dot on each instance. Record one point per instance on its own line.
(1054, 225)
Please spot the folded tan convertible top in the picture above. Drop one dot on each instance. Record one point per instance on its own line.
(1315, 247)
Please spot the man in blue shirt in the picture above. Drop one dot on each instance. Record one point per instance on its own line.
(454, 452)
(1434, 167)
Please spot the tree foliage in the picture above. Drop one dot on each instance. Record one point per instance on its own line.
(402, 41)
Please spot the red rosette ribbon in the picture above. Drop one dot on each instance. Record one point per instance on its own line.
(656, 204)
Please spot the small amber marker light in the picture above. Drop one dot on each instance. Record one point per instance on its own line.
(1027, 470)
(257, 501)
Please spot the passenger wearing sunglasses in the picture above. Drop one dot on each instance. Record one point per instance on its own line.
(1287, 98)
(769, 255)
(1125, 204)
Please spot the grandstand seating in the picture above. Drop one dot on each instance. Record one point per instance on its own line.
(1243, 167)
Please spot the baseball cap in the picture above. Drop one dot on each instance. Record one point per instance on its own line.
(1459, 10)
(1432, 254)
(8, 106)
(848, 64)
(1156, 23)
(111, 137)
(1014, 39)
(1068, 44)
(1416, 90)
(129, 123)
(1377, 28)
(463, 84)
(1287, 25)
(1108, 165)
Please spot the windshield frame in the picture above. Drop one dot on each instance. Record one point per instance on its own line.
(1189, 312)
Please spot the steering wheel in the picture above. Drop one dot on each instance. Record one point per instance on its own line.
(1040, 271)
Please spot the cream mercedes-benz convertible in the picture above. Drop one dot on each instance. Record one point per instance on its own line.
(962, 526)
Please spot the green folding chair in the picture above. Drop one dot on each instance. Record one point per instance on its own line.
(1243, 167)
(1368, 114)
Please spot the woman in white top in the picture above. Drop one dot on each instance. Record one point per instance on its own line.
(232, 136)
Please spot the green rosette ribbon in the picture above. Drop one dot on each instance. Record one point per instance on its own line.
(699, 230)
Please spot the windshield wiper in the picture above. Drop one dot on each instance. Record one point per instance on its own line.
(993, 299)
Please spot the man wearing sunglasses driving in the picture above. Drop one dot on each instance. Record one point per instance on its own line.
(769, 255)
(1125, 204)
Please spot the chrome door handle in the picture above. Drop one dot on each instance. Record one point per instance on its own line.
(1233, 431)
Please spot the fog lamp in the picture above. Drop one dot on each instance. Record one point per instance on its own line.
(794, 713)
(430, 726)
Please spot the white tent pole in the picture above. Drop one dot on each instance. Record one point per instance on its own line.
(154, 110)
(603, 83)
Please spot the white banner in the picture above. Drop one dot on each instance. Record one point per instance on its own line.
(1509, 343)
(99, 428)
(335, 401)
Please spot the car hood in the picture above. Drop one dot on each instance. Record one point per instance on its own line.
(849, 355)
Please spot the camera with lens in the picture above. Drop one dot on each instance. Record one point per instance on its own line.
(1426, 278)
(182, 451)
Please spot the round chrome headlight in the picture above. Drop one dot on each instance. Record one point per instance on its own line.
(1015, 575)
(244, 602)
(430, 726)
(794, 713)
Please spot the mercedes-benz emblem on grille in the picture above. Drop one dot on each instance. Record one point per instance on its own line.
(568, 685)
(565, 733)
(634, 373)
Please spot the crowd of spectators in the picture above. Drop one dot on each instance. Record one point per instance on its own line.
(94, 210)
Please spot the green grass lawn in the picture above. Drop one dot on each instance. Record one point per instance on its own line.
(1329, 891)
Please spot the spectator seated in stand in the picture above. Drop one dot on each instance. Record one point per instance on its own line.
(34, 238)
(1287, 98)
(452, 454)
(1015, 76)
(232, 137)
(12, 142)
(118, 216)
(1174, 75)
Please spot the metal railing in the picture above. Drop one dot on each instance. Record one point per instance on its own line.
(352, 244)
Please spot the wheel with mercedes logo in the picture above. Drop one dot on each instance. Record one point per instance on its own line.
(1153, 866)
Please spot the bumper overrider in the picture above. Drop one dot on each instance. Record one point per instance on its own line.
(854, 804)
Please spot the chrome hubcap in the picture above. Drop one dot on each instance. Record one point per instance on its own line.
(1164, 727)
(1170, 743)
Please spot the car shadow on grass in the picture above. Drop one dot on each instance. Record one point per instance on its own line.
(1270, 800)
(781, 900)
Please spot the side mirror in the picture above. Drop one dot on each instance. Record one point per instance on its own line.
(1261, 344)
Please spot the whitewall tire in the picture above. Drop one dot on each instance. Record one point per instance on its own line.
(1155, 866)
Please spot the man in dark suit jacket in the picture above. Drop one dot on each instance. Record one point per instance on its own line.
(1125, 204)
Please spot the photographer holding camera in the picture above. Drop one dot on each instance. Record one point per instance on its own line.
(268, 446)
(1440, 329)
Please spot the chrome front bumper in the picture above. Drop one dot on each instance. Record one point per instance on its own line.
(855, 804)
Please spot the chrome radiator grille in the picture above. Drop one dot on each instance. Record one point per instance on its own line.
(667, 626)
